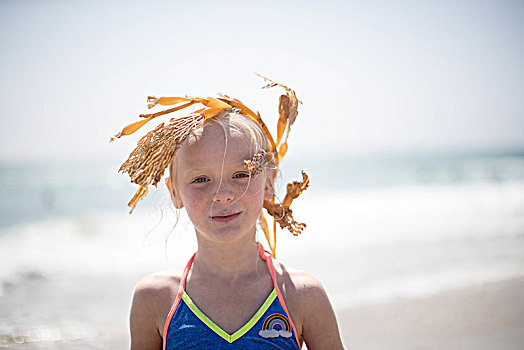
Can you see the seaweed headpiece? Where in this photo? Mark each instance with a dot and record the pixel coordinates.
(155, 151)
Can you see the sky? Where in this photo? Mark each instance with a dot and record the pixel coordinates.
(374, 76)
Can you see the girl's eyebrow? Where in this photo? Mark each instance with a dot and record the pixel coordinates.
(202, 170)
(194, 171)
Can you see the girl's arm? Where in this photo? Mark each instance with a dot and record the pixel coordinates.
(319, 323)
(145, 334)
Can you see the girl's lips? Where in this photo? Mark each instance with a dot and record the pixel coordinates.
(225, 218)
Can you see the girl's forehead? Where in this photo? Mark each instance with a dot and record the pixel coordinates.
(216, 133)
(213, 139)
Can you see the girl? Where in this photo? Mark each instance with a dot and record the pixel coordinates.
(232, 294)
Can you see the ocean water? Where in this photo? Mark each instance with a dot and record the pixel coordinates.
(377, 229)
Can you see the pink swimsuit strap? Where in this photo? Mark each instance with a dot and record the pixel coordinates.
(267, 257)
(181, 289)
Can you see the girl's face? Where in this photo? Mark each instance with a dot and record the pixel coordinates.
(221, 198)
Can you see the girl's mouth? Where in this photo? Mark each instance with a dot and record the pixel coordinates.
(225, 218)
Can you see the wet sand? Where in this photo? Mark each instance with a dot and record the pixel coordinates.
(488, 316)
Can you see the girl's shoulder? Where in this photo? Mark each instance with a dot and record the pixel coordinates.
(160, 282)
(298, 284)
(309, 306)
(159, 288)
(153, 296)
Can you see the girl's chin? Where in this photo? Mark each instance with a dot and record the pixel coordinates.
(228, 234)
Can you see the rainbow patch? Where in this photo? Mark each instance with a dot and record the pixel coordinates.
(275, 325)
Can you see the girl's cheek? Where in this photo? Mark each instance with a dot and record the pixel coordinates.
(255, 187)
(194, 197)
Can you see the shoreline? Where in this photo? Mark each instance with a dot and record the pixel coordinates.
(480, 317)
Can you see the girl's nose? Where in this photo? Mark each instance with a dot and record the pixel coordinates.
(224, 194)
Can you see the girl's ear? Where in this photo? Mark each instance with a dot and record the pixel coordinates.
(175, 197)
(269, 190)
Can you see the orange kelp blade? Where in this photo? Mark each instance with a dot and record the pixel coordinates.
(283, 111)
(287, 107)
(282, 151)
(295, 189)
(216, 103)
(255, 117)
(274, 247)
(139, 195)
(131, 128)
(165, 101)
(211, 112)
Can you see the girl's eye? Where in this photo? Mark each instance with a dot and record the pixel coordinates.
(240, 175)
(200, 180)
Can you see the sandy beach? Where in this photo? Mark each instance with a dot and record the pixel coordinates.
(488, 316)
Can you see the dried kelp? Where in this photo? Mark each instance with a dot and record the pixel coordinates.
(256, 164)
(282, 213)
(155, 151)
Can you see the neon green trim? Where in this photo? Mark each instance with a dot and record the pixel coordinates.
(213, 326)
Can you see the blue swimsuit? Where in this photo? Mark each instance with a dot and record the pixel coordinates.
(271, 327)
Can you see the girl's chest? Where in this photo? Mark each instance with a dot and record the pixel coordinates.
(230, 307)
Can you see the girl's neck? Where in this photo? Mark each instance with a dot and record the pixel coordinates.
(229, 261)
